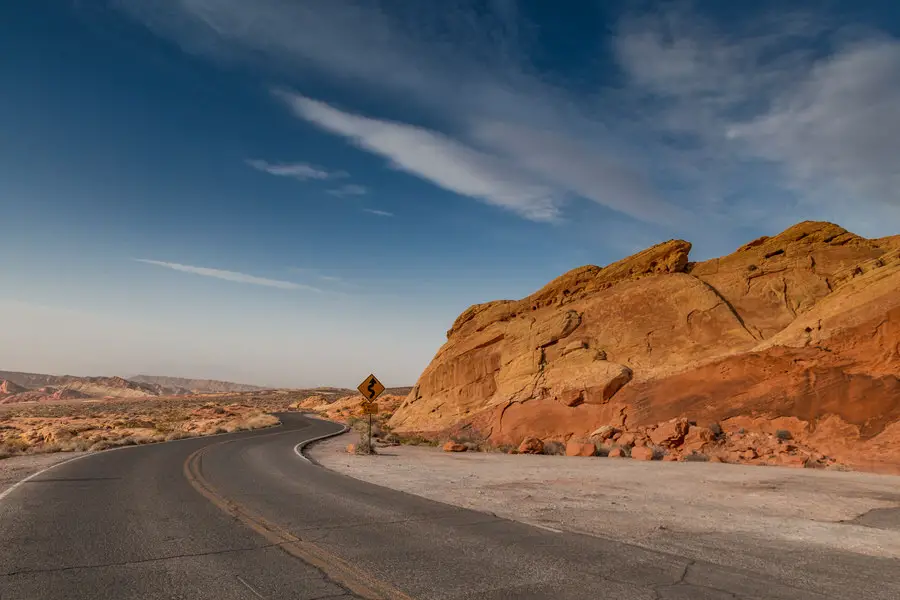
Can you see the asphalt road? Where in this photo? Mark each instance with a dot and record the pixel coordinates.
(242, 516)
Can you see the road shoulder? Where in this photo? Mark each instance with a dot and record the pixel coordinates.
(16, 468)
(696, 509)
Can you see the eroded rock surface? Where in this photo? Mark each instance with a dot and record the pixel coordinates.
(803, 325)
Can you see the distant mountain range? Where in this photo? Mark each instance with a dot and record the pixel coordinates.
(18, 387)
(197, 386)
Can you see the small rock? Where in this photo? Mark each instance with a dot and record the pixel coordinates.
(748, 454)
(574, 347)
(642, 453)
(603, 433)
(531, 445)
(452, 446)
(715, 459)
(698, 438)
(572, 397)
(670, 458)
(616, 436)
(670, 434)
(580, 449)
(626, 440)
(351, 448)
(616, 453)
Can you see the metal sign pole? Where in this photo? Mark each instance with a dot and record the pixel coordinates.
(370, 389)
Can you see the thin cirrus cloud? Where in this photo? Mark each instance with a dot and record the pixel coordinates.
(380, 213)
(299, 171)
(233, 276)
(350, 189)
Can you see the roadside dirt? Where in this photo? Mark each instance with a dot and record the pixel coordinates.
(729, 514)
(17, 468)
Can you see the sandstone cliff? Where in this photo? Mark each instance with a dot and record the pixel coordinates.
(804, 326)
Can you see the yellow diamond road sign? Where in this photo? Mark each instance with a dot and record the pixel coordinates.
(370, 388)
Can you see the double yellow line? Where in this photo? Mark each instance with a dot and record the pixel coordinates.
(335, 568)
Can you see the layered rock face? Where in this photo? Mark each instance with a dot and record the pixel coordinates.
(803, 325)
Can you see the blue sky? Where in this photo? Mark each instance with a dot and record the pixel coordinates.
(299, 193)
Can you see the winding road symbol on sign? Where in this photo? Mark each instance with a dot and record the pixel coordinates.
(371, 388)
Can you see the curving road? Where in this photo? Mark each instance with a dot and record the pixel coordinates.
(242, 516)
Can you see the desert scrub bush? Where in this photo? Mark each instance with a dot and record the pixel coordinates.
(136, 424)
(554, 448)
(471, 442)
(391, 438)
(364, 447)
(75, 445)
(16, 445)
(602, 448)
(696, 457)
(118, 443)
(658, 452)
(626, 450)
(784, 434)
(418, 440)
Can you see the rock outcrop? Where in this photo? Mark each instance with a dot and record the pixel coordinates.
(8, 388)
(803, 325)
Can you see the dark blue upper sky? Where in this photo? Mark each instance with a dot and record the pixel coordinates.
(300, 192)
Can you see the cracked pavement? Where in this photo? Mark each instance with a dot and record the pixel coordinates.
(127, 524)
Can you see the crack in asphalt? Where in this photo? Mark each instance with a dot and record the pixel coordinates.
(328, 530)
(139, 561)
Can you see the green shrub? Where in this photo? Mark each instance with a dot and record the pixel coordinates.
(784, 434)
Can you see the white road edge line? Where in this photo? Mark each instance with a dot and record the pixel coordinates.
(298, 449)
(546, 527)
(250, 587)
(13, 487)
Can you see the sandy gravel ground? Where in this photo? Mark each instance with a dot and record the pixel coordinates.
(17, 468)
(728, 514)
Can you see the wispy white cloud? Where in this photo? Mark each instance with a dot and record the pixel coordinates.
(350, 189)
(380, 213)
(739, 123)
(813, 103)
(434, 157)
(230, 275)
(301, 171)
(838, 128)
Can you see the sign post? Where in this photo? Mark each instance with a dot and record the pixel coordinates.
(370, 388)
